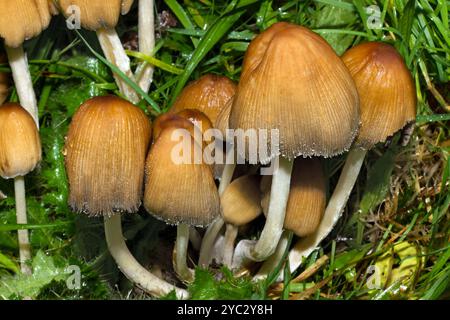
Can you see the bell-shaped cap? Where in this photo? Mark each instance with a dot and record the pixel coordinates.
(386, 91)
(209, 94)
(5, 80)
(241, 201)
(20, 145)
(97, 14)
(21, 20)
(168, 120)
(105, 150)
(307, 196)
(293, 82)
(179, 186)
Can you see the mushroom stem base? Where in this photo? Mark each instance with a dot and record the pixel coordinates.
(231, 233)
(130, 267)
(21, 216)
(181, 246)
(146, 27)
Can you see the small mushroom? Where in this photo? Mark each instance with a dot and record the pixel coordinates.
(388, 102)
(102, 17)
(20, 153)
(179, 189)
(294, 83)
(106, 147)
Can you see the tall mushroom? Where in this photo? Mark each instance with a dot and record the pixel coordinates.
(292, 84)
(20, 152)
(388, 102)
(105, 150)
(21, 20)
(179, 188)
(102, 17)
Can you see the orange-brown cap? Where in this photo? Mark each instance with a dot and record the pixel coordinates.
(293, 81)
(5, 80)
(209, 94)
(241, 201)
(167, 120)
(21, 20)
(20, 145)
(386, 90)
(307, 196)
(97, 14)
(105, 150)
(178, 188)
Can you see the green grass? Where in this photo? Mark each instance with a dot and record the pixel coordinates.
(403, 193)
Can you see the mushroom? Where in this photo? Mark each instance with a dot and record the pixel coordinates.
(146, 27)
(105, 155)
(4, 80)
(294, 84)
(179, 189)
(102, 17)
(209, 94)
(305, 207)
(20, 152)
(241, 204)
(388, 102)
(21, 20)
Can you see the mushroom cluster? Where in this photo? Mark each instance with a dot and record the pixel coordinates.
(224, 155)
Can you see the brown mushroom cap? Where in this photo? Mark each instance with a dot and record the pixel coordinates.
(21, 20)
(209, 94)
(98, 14)
(223, 118)
(105, 150)
(386, 91)
(20, 145)
(294, 82)
(198, 118)
(168, 120)
(307, 196)
(241, 201)
(5, 80)
(179, 192)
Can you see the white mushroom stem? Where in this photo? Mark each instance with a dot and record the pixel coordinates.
(131, 268)
(335, 207)
(270, 264)
(114, 52)
(231, 233)
(181, 246)
(146, 27)
(214, 228)
(273, 228)
(22, 80)
(21, 216)
(195, 238)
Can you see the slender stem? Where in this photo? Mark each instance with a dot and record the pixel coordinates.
(273, 228)
(22, 80)
(144, 73)
(215, 227)
(274, 260)
(131, 268)
(231, 233)
(114, 52)
(181, 246)
(21, 216)
(195, 238)
(334, 209)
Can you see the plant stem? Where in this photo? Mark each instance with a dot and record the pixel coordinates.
(22, 80)
(335, 207)
(214, 228)
(144, 72)
(181, 246)
(231, 233)
(114, 52)
(21, 216)
(131, 268)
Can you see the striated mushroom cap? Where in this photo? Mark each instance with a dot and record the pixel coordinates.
(293, 82)
(20, 145)
(178, 187)
(209, 94)
(105, 150)
(386, 91)
(21, 20)
(307, 197)
(97, 14)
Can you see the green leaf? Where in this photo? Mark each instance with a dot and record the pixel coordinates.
(204, 286)
(8, 264)
(406, 21)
